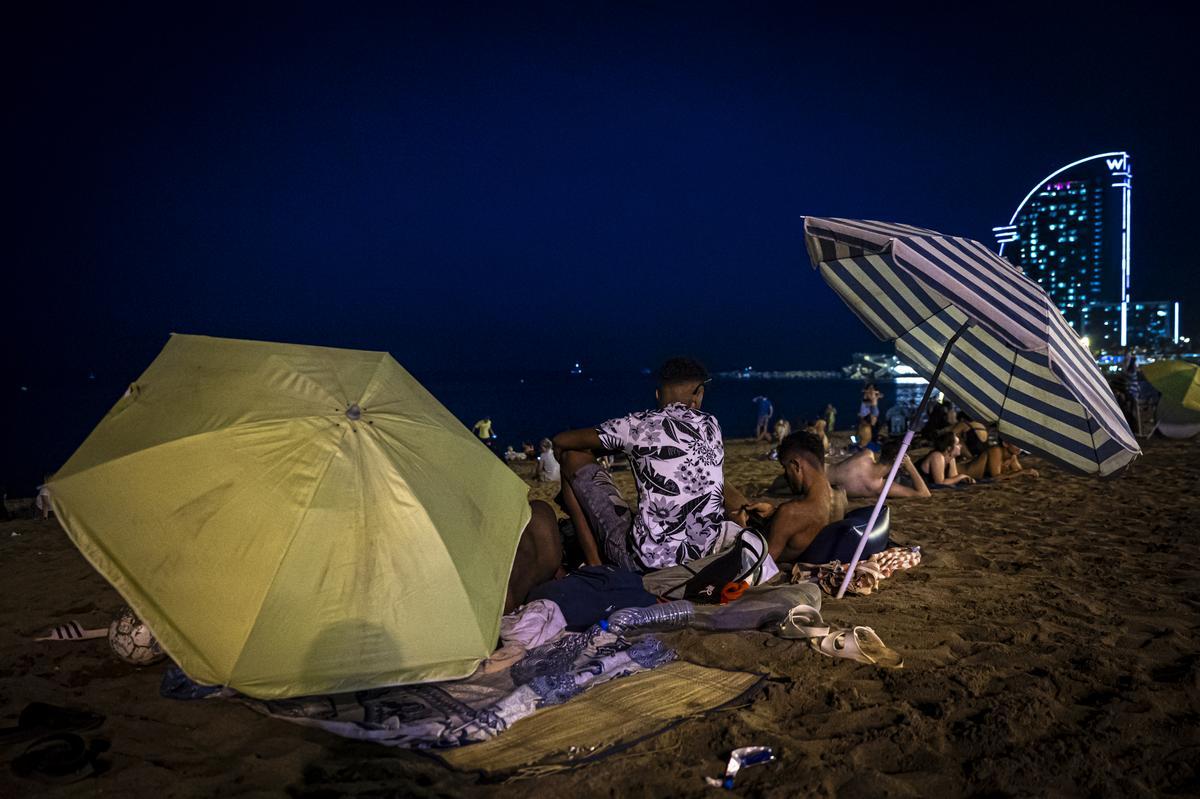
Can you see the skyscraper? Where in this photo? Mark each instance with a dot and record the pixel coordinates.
(1071, 233)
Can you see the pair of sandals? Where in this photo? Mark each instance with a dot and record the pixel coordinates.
(57, 753)
(858, 643)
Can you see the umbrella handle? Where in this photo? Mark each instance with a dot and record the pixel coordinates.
(891, 478)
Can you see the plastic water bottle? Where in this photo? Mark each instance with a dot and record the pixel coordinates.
(667, 616)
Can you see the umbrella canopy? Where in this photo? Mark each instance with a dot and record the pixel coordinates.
(1177, 381)
(1009, 356)
(294, 520)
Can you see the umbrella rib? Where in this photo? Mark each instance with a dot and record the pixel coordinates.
(287, 549)
(185, 438)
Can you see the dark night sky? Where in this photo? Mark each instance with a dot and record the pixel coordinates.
(529, 187)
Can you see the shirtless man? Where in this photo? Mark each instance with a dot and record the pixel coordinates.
(792, 526)
(861, 476)
(539, 553)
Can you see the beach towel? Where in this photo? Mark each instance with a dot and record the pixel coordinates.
(459, 712)
(867, 577)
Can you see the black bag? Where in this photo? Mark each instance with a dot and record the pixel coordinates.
(706, 585)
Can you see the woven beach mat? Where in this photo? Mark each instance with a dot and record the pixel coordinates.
(606, 719)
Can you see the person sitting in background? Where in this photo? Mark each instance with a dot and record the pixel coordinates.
(677, 456)
(865, 433)
(793, 525)
(530, 452)
(897, 419)
(817, 428)
(783, 428)
(548, 469)
(862, 476)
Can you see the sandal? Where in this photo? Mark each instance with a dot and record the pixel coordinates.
(859, 644)
(71, 631)
(803, 621)
(62, 757)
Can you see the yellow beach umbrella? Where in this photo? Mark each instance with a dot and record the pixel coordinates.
(1178, 381)
(292, 520)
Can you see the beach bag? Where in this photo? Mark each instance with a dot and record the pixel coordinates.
(746, 563)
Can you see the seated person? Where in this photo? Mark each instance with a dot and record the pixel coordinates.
(818, 428)
(783, 428)
(547, 470)
(865, 433)
(861, 476)
(677, 457)
(539, 553)
(793, 525)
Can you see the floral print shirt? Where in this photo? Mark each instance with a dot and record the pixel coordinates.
(677, 456)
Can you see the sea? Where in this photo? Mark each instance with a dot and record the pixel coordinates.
(52, 420)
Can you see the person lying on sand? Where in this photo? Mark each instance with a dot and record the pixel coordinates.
(995, 461)
(792, 526)
(677, 457)
(539, 553)
(862, 476)
(941, 464)
(988, 456)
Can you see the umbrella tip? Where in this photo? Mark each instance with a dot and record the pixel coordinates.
(354, 413)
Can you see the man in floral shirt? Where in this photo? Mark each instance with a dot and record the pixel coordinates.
(676, 454)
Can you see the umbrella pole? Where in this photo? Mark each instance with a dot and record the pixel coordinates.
(891, 478)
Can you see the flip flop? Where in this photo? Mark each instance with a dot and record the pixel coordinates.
(803, 621)
(860, 644)
(62, 757)
(71, 631)
(39, 718)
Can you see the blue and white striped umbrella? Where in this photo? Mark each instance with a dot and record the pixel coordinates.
(1017, 363)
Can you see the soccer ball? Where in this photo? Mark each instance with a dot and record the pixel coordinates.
(132, 641)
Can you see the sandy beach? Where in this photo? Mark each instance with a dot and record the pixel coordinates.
(1051, 639)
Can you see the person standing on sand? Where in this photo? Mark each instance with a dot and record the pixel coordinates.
(830, 417)
(677, 455)
(870, 403)
(483, 429)
(765, 411)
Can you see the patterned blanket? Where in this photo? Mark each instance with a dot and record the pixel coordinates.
(448, 714)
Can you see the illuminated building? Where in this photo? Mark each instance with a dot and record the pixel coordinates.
(1071, 234)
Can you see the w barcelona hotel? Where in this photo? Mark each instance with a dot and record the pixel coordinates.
(1071, 233)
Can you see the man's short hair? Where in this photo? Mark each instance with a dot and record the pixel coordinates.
(682, 370)
(803, 444)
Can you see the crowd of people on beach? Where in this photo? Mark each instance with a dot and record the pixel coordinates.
(686, 511)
